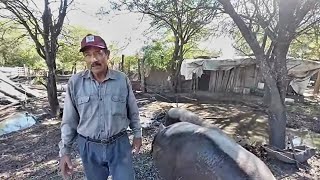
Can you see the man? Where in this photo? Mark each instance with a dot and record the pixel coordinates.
(98, 108)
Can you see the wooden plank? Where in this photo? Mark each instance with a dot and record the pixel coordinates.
(218, 82)
(222, 80)
(238, 82)
(242, 79)
(235, 80)
(216, 85)
(226, 78)
(197, 83)
(255, 76)
(9, 91)
(220, 77)
(210, 82)
(5, 79)
(230, 82)
(9, 105)
(213, 81)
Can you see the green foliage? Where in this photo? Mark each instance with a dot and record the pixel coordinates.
(16, 49)
(131, 64)
(158, 54)
(31, 58)
(307, 46)
(186, 21)
(68, 55)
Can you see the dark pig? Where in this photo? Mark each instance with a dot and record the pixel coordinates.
(186, 151)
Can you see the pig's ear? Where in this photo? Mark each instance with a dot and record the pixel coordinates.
(161, 127)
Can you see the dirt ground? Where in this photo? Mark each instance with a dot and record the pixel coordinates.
(32, 153)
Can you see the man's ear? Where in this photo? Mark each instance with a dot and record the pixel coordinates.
(107, 52)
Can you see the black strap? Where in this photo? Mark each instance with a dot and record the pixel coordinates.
(105, 141)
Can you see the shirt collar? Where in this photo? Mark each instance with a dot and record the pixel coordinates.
(110, 74)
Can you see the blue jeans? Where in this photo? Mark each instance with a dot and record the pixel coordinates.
(101, 160)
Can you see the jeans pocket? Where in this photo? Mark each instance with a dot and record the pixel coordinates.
(82, 144)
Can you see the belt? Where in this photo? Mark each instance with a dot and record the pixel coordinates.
(105, 141)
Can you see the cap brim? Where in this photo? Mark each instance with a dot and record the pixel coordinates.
(85, 47)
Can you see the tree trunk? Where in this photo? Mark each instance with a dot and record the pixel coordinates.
(178, 68)
(317, 85)
(278, 91)
(175, 57)
(177, 77)
(52, 86)
(277, 118)
(274, 99)
(267, 96)
(74, 68)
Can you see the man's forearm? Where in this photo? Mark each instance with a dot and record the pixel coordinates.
(134, 118)
(133, 112)
(136, 128)
(69, 124)
(68, 135)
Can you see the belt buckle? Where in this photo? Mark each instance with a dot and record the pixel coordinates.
(104, 141)
(112, 139)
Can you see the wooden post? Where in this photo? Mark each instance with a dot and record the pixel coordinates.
(122, 63)
(143, 88)
(194, 77)
(317, 85)
(139, 69)
(129, 67)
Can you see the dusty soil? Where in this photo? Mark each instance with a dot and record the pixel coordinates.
(33, 153)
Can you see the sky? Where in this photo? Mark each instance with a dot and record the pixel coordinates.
(126, 26)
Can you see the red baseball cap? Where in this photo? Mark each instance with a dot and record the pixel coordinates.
(92, 40)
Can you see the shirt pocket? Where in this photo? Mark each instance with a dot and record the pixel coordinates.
(118, 105)
(83, 105)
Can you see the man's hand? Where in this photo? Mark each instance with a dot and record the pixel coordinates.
(66, 166)
(136, 145)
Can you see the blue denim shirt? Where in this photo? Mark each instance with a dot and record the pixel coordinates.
(98, 110)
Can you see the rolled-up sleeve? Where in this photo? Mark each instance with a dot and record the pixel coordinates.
(133, 112)
(70, 120)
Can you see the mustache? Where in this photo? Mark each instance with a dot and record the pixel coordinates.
(95, 64)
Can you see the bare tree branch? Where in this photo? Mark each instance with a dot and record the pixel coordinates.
(44, 34)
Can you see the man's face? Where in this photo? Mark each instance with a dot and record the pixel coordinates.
(96, 59)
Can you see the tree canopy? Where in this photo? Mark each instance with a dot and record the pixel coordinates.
(43, 27)
(186, 20)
